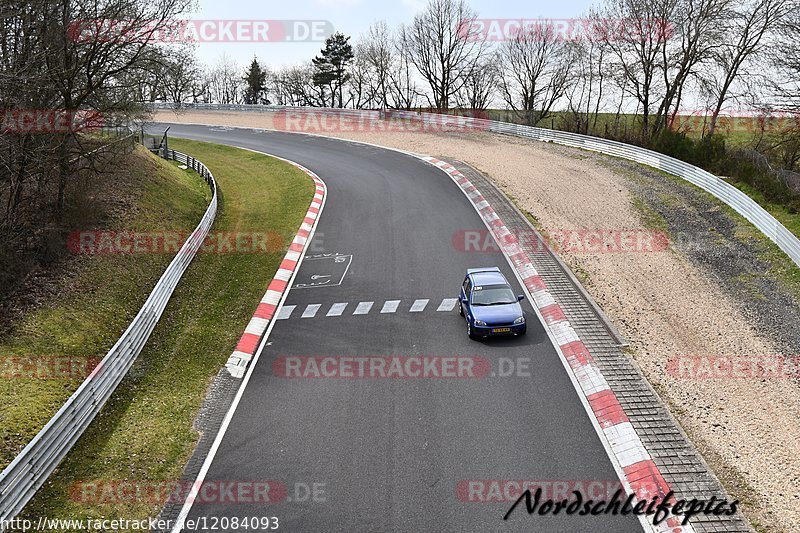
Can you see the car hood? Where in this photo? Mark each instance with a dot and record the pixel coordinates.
(497, 314)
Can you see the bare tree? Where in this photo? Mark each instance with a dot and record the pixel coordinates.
(362, 86)
(750, 24)
(480, 86)
(60, 55)
(691, 39)
(98, 68)
(295, 86)
(403, 89)
(786, 59)
(182, 76)
(225, 81)
(534, 70)
(588, 88)
(441, 45)
(636, 33)
(377, 50)
(151, 81)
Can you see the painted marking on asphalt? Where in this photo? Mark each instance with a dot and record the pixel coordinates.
(448, 304)
(323, 270)
(311, 310)
(418, 306)
(285, 312)
(390, 306)
(337, 309)
(363, 308)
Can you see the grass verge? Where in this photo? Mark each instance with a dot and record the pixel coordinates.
(95, 305)
(784, 215)
(145, 433)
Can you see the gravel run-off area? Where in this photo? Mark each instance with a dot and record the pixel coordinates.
(713, 291)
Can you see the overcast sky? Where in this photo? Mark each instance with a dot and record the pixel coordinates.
(351, 17)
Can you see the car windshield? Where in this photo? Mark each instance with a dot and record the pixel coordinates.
(493, 295)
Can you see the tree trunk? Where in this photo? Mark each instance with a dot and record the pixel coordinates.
(63, 177)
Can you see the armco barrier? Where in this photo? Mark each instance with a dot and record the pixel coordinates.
(737, 200)
(31, 468)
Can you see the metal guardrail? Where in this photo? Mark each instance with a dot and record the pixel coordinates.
(30, 469)
(129, 139)
(20, 480)
(733, 197)
(736, 199)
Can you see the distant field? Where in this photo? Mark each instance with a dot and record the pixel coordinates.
(737, 129)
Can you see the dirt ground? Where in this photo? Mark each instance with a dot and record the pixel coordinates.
(666, 303)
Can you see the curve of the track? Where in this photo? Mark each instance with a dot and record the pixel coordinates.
(391, 452)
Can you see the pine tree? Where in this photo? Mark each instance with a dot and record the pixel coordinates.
(331, 66)
(255, 80)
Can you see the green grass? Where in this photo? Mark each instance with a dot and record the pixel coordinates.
(784, 215)
(651, 218)
(97, 306)
(782, 268)
(145, 434)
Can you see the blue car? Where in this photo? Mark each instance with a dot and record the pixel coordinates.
(489, 304)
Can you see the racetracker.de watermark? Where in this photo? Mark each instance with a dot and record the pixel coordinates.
(105, 242)
(573, 241)
(117, 492)
(310, 121)
(565, 30)
(42, 121)
(46, 367)
(734, 367)
(399, 367)
(200, 31)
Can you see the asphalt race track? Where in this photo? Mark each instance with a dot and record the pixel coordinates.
(389, 454)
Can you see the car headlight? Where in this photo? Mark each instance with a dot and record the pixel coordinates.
(520, 320)
(479, 322)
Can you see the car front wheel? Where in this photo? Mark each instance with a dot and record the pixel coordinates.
(470, 333)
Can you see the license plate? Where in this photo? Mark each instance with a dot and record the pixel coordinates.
(501, 330)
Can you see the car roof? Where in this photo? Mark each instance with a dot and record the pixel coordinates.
(482, 269)
(488, 278)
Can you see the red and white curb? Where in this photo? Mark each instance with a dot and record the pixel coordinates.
(638, 470)
(249, 341)
(259, 328)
